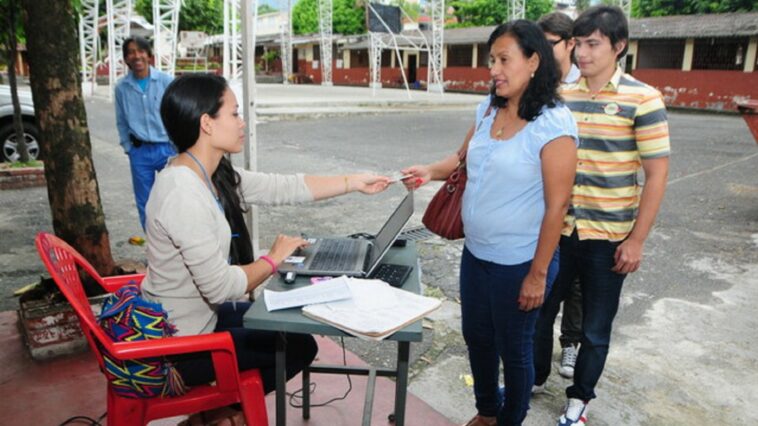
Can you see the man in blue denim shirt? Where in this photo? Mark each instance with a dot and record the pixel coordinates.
(138, 118)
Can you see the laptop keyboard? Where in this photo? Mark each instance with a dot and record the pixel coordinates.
(336, 255)
(394, 275)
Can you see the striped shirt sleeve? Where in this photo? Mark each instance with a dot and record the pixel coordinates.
(651, 130)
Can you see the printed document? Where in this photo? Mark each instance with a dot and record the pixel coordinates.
(324, 291)
(375, 311)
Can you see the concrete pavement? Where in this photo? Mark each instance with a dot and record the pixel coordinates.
(277, 101)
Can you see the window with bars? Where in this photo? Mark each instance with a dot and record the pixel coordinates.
(459, 55)
(424, 59)
(359, 58)
(387, 57)
(720, 53)
(667, 54)
(483, 56)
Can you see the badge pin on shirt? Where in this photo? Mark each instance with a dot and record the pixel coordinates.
(612, 109)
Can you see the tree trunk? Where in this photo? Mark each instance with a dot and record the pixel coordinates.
(18, 125)
(72, 189)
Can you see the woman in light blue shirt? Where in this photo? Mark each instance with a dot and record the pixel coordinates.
(521, 161)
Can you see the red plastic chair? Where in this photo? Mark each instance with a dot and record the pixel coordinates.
(231, 385)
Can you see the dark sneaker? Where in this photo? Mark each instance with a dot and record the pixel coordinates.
(568, 361)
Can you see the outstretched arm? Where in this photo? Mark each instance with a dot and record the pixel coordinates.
(331, 186)
(422, 174)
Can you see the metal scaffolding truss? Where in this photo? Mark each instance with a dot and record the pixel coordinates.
(379, 41)
(517, 9)
(284, 49)
(325, 24)
(436, 82)
(286, 46)
(89, 44)
(119, 15)
(626, 6)
(165, 32)
(232, 40)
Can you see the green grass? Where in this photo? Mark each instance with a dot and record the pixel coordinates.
(20, 164)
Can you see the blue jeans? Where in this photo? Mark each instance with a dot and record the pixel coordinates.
(495, 330)
(145, 162)
(543, 337)
(591, 261)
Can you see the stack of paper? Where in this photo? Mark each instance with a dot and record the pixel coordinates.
(375, 311)
(327, 291)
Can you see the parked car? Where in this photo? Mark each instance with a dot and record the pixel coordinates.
(7, 133)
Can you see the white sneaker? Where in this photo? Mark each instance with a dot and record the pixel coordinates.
(568, 361)
(575, 413)
(539, 389)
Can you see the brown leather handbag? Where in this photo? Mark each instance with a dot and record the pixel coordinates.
(443, 214)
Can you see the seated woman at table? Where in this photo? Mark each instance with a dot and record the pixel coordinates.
(188, 233)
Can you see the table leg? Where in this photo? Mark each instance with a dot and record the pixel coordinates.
(401, 384)
(306, 393)
(281, 379)
(368, 403)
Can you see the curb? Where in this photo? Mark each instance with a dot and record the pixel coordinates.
(23, 177)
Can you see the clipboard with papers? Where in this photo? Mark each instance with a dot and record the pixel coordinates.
(375, 311)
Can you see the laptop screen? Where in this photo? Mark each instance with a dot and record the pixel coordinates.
(391, 230)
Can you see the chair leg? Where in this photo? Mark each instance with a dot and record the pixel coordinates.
(125, 411)
(254, 403)
(254, 410)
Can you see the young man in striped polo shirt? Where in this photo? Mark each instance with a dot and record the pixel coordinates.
(622, 128)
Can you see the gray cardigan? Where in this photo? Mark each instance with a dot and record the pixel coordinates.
(188, 241)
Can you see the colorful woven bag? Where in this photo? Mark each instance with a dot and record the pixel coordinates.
(127, 317)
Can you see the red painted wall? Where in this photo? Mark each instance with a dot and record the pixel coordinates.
(699, 89)
(702, 89)
(467, 79)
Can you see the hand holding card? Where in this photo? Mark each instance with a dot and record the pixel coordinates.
(398, 176)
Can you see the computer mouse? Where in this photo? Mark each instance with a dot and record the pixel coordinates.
(290, 277)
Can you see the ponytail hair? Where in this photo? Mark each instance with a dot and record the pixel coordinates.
(227, 182)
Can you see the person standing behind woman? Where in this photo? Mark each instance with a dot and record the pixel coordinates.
(557, 27)
(623, 129)
(521, 156)
(188, 235)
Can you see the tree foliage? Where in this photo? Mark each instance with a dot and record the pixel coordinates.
(412, 9)
(195, 15)
(5, 6)
(347, 17)
(474, 13)
(536, 8)
(645, 8)
(266, 8)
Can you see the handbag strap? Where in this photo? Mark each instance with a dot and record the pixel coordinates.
(464, 149)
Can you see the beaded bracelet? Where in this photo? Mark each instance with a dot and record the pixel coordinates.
(270, 262)
(347, 186)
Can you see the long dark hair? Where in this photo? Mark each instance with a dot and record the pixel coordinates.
(543, 87)
(186, 99)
